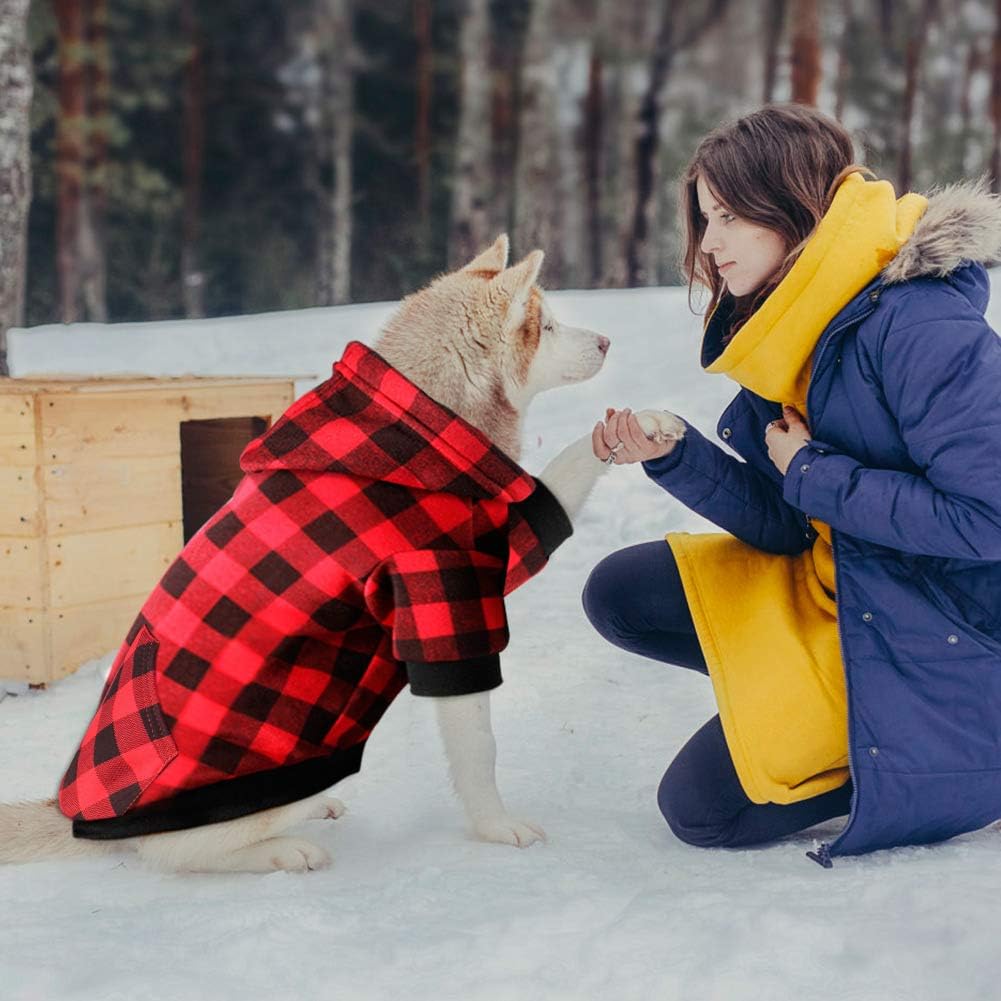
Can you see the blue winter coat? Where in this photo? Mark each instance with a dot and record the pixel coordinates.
(905, 466)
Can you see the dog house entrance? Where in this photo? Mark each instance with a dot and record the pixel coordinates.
(210, 464)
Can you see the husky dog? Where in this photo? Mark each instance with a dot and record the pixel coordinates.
(407, 439)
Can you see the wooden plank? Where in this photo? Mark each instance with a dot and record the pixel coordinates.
(21, 511)
(21, 583)
(84, 632)
(22, 645)
(17, 411)
(127, 384)
(92, 495)
(56, 383)
(17, 430)
(144, 423)
(101, 566)
(18, 449)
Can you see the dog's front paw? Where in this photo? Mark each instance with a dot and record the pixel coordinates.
(506, 830)
(295, 854)
(328, 808)
(661, 425)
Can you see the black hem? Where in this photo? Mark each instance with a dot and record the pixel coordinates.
(228, 799)
(546, 517)
(455, 677)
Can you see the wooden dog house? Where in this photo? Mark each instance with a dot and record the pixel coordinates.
(101, 483)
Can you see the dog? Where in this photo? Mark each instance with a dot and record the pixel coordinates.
(200, 763)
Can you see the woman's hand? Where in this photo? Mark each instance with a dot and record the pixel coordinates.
(621, 439)
(785, 437)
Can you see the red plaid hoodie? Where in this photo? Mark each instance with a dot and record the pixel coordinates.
(370, 544)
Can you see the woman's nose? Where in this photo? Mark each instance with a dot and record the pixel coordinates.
(710, 241)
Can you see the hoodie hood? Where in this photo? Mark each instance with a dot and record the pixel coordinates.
(368, 420)
(962, 223)
(867, 233)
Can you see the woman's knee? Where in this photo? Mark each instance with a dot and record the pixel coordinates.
(603, 596)
(687, 814)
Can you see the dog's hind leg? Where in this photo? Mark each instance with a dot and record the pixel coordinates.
(246, 844)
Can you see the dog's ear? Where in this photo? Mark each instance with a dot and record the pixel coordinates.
(493, 258)
(516, 283)
(517, 280)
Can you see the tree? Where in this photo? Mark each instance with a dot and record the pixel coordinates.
(15, 164)
(70, 154)
(334, 18)
(469, 229)
(193, 142)
(93, 196)
(844, 57)
(917, 36)
(422, 130)
(774, 23)
(996, 100)
(680, 27)
(538, 211)
(805, 52)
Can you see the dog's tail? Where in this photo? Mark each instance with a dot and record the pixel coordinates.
(33, 831)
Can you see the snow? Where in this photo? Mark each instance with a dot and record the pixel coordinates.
(613, 907)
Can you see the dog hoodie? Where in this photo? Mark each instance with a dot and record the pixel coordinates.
(370, 544)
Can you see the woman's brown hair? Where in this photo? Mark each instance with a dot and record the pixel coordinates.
(778, 167)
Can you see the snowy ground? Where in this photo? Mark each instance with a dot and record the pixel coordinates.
(613, 907)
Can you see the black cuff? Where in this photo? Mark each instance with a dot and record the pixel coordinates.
(455, 677)
(228, 798)
(546, 518)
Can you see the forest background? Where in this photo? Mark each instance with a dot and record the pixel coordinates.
(167, 158)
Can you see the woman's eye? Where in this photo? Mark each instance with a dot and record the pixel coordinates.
(727, 217)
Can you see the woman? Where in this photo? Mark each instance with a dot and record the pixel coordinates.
(849, 616)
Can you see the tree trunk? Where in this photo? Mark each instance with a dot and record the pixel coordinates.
(672, 37)
(70, 155)
(971, 67)
(193, 145)
(470, 226)
(16, 83)
(774, 23)
(341, 103)
(844, 58)
(805, 52)
(422, 130)
(917, 36)
(537, 211)
(996, 101)
(336, 43)
(593, 142)
(886, 22)
(97, 93)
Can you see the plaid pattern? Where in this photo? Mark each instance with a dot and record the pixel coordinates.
(127, 740)
(369, 544)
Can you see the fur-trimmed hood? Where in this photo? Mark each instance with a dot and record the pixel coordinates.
(961, 223)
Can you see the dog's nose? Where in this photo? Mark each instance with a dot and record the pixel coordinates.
(603, 344)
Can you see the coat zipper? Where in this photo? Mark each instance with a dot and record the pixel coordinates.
(823, 850)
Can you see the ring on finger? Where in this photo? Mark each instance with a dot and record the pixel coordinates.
(617, 446)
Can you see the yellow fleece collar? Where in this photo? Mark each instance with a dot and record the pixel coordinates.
(859, 235)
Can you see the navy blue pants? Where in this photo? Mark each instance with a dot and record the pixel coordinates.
(635, 599)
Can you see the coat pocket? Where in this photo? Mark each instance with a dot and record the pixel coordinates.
(968, 616)
(127, 744)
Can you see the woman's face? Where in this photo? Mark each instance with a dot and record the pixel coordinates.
(746, 255)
